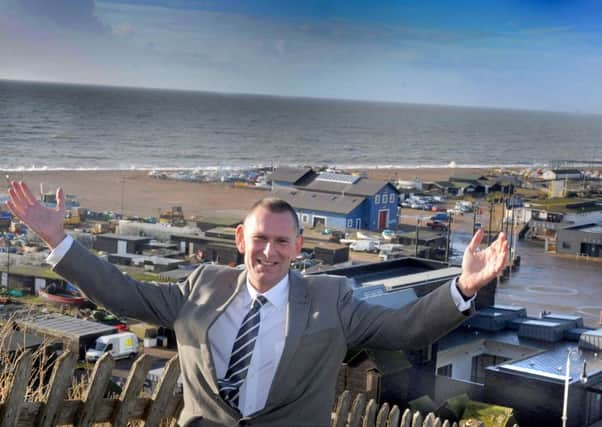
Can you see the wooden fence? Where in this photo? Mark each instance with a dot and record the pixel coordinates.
(360, 413)
(56, 409)
(162, 407)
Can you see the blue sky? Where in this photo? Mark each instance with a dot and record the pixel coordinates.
(513, 54)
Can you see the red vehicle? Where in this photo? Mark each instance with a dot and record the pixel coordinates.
(437, 225)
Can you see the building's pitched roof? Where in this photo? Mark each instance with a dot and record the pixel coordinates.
(290, 174)
(311, 200)
(468, 178)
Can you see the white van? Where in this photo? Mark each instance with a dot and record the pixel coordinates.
(120, 346)
(364, 246)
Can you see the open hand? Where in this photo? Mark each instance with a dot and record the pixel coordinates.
(479, 267)
(45, 222)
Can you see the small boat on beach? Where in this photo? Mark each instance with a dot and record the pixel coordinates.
(67, 295)
(61, 298)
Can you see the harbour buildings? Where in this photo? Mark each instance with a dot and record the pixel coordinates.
(336, 200)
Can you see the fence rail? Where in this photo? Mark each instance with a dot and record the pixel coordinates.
(93, 407)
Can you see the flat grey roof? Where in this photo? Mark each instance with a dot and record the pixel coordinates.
(155, 259)
(362, 187)
(416, 278)
(59, 324)
(124, 237)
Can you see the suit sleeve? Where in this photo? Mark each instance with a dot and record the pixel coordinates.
(410, 327)
(104, 284)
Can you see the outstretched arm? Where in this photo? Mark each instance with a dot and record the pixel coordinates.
(45, 222)
(479, 267)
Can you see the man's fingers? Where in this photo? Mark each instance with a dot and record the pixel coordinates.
(501, 240)
(501, 258)
(60, 200)
(17, 196)
(476, 240)
(27, 193)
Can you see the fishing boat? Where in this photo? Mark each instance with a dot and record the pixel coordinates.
(67, 295)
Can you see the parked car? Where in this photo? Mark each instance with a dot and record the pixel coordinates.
(437, 225)
(388, 234)
(440, 216)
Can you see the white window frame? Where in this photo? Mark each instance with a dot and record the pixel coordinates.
(377, 199)
(385, 198)
(392, 198)
(305, 218)
(358, 223)
(350, 223)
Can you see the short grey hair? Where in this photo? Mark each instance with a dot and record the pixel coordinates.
(276, 205)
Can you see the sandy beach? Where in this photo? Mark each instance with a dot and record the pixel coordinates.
(136, 193)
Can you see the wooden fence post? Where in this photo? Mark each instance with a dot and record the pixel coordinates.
(163, 393)
(132, 387)
(417, 419)
(428, 420)
(96, 390)
(370, 414)
(406, 418)
(9, 414)
(394, 416)
(357, 410)
(382, 416)
(340, 417)
(59, 383)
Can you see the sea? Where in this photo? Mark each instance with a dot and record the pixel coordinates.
(48, 126)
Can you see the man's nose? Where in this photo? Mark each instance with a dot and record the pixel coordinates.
(268, 249)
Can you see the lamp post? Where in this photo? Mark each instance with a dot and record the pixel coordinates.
(567, 378)
(417, 231)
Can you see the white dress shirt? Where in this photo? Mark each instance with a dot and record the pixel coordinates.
(268, 346)
(270, 339)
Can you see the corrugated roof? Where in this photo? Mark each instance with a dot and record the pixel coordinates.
(311, 200)
(59, 324)
(362, 187)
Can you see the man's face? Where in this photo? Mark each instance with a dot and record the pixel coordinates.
(269, 242)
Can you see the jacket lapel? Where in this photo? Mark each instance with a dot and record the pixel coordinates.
(298, 313)
(222, 297)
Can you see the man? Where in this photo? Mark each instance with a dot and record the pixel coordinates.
(263, 346)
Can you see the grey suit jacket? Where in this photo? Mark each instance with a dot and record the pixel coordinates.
(323, 321)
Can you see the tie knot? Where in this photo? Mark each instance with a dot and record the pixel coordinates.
(259, 301)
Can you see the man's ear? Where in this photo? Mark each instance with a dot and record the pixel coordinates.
(240, 238)
(299, 244)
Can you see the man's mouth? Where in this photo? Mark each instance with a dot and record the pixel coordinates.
(267, 263)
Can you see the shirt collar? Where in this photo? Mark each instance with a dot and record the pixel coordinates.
(277, 295)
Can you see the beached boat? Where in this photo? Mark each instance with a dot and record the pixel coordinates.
(67, 294)
(62, 298)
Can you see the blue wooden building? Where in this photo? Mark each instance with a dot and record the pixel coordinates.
(335, 200)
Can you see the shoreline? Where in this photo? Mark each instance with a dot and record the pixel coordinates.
(134, 192)
(358, 166)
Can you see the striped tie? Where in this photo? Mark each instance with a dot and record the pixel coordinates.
(242, 351)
